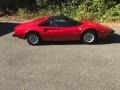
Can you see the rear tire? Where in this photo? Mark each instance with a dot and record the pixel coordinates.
(33, 38)
(89, 37)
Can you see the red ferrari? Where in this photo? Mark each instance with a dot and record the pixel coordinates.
(59, 28)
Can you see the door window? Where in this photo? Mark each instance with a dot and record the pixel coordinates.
(60, 22)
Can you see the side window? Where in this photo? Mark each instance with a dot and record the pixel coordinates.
(61, 23)
(47, 23)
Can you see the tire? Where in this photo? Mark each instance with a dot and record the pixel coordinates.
(89, 37)
(33, 38)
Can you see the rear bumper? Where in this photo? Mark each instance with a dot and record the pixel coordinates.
(19, 35)
(14, 35)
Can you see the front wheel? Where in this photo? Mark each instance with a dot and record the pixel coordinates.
(89, 37)
(33, 39)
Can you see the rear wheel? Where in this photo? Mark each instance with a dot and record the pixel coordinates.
(89, 37)
(33, 38)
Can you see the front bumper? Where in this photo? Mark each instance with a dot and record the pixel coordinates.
(106, 34)
(113, 31)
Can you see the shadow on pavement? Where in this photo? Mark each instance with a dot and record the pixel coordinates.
(115, 38)
(6, 28)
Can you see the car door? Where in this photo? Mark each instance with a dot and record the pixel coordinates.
(53, 34)
(70, 28)
(59, 29)
(72, 33)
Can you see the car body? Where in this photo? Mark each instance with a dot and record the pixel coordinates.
(59, 28)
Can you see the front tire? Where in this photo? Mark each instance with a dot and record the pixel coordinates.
(89, 37)
(33, 38)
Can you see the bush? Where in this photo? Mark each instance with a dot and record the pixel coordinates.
(25, 13)
(100, 10)
(112, 14)
(93, 9)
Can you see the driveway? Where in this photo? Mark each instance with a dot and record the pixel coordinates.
(58, 65)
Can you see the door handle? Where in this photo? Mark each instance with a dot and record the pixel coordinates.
(46, 29)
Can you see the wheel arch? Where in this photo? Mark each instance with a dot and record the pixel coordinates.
(32, 31)
(89, 29)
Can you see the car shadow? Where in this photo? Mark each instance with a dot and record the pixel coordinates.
(113, 39)
(6, 28)
(60, 43)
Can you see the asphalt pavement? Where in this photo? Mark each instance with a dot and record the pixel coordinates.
(58, 65)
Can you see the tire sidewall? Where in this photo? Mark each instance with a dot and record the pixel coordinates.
(36, 34)
(95, 37)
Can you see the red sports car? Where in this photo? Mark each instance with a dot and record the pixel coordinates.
(59, 28)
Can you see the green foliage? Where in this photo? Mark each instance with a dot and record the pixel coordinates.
(50, 11)
(112, 14)
(93, 9)
(100, 10)
(25, 13)
(41, 2)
